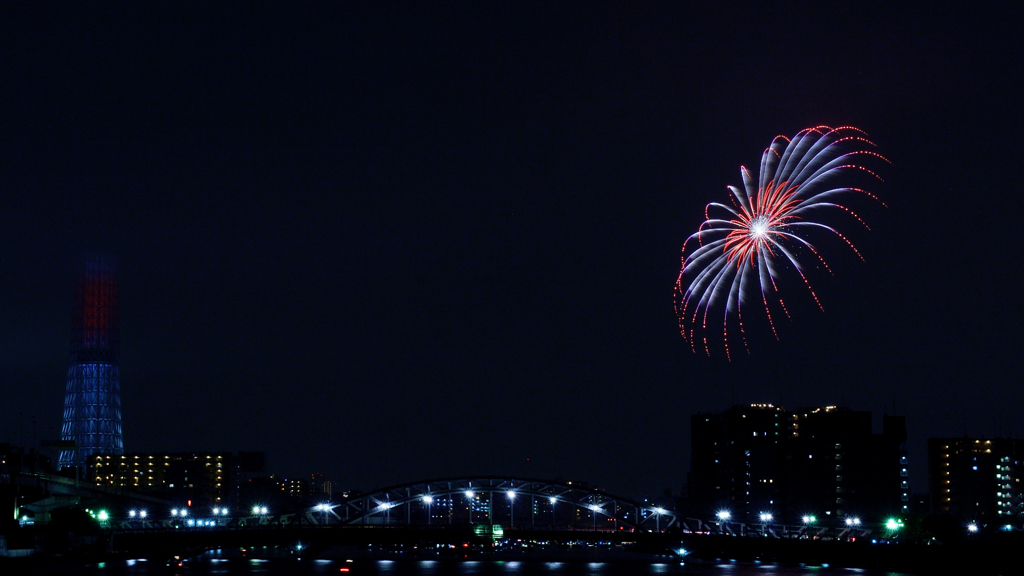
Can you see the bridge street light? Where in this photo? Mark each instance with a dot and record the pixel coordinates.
(723, 517)
(808, 520)
(260, 512)
(179, 512)
(471, 496)
(851, 522)
(323, 508)
(512, 506)
(428, 500)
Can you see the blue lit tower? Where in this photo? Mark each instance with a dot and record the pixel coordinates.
(92, 401)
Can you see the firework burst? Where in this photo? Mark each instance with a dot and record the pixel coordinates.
(743, 248)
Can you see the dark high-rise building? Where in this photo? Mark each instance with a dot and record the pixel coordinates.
(737, 460)
(823, 462)
(837, 467)
(977, 480)
(92, 400)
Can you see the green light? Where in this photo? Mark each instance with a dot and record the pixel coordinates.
(494, 531)
(893, 524)
(103, 516)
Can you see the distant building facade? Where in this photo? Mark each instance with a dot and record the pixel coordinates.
(824, 462)
(203, 478)
(838, 466)
(976, 479)
(299, 489)
(321, 485)
(737, 458)
(309, 491)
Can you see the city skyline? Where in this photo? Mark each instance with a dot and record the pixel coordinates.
(394, 244)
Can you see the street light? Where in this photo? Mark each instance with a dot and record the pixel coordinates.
(594, 508)
(428, 500)
(972, 527)
(260, 511)
(512, 506)
(657, 519)
(766, 517)
(471, 496)
(851, 522)
(323, 508)
(723, 517)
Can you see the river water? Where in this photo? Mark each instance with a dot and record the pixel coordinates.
(210, 564)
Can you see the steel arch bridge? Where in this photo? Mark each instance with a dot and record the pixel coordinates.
(510, 502)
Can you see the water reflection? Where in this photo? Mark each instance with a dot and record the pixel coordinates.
(214, 563)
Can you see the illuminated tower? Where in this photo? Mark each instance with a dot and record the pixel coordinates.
(92, 401)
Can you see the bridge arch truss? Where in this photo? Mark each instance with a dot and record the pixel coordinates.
(509, 502)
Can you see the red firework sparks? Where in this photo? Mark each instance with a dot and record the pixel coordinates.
(765, 230)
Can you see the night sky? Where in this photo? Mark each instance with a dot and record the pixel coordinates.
(393, 244)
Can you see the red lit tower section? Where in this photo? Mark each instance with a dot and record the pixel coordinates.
(92, 401)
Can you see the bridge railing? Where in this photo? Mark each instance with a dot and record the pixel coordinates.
(511, 502)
